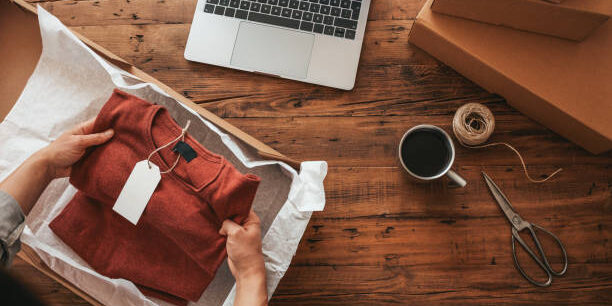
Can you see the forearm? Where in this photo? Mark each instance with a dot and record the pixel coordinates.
(11, 225)
(28, 181)
(251, 289)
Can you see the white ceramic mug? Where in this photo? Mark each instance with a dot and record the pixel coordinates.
(445, 169)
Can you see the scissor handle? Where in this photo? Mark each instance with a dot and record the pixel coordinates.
(552, 271)
(543, 262)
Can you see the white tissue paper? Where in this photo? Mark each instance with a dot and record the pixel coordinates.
(69, 85)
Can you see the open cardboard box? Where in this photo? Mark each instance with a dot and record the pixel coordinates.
(20, 49)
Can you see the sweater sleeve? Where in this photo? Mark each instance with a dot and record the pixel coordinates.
(233, 194)
(12, 222)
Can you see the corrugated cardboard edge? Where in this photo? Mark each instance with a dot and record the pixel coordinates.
(263, 150)
(521, 98)
(28, 255)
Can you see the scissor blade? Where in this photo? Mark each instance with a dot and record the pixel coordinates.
(501, 199)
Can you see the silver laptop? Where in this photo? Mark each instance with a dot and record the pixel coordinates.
(314, 41)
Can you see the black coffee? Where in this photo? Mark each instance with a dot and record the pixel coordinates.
(426, 152)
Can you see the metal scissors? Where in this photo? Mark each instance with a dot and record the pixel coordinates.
(518, 224)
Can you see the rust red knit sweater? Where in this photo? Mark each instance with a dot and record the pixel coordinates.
(174, 251)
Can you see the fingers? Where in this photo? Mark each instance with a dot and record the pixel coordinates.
(84, 135)
(86, 141)
(84, 128)
(229, 227)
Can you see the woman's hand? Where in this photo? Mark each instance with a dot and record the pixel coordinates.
(29, 180)
(245, 259)
(67, 149)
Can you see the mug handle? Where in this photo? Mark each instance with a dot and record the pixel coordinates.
(457, 180)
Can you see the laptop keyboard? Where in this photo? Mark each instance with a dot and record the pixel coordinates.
(329, 17)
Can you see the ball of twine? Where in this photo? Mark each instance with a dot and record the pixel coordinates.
(474, 123)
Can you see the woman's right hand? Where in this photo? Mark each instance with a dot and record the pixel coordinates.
(245, 259)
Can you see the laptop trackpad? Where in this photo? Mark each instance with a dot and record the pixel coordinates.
(272, 50)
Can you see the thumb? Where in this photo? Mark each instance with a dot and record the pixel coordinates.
(229, 227)
(252, 220)
(94, 139)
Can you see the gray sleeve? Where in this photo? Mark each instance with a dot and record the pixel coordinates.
(12, 222)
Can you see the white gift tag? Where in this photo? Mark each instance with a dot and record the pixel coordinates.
(137, 191)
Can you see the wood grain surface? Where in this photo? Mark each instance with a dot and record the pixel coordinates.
(382, 239)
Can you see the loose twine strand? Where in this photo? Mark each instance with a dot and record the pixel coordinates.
(180, 137)
(474, 123)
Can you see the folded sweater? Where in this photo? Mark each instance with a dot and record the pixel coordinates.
(175, 249)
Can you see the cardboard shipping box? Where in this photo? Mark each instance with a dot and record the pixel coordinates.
(564, 85)
(569, 19)
(20, 49)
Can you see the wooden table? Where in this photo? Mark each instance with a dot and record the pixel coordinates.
(381, 238)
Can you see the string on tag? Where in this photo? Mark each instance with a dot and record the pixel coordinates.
(180, 137)
(474, 123)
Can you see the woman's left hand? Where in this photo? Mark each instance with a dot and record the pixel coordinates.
(67, 149)
(29, 180)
